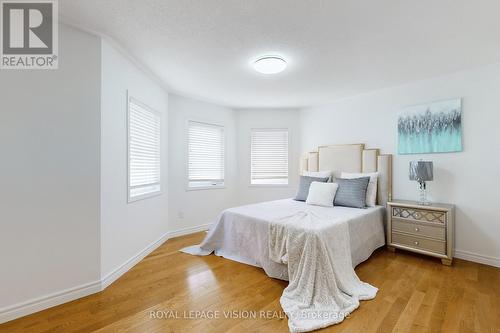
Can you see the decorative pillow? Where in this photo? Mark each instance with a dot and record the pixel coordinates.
(322, 194)
(304, 184)
(318, 174)
(371, 191)
(352, 192)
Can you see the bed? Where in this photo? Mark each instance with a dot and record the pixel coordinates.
(314, 248)
(241, 233)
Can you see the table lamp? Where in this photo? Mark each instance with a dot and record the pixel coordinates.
(421, 171)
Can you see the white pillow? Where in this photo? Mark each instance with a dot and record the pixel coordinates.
(371, 191)
(318, 174)
(322, 194)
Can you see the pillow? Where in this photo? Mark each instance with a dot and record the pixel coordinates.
(304, 184)
(322, 194)
(352, 192)
(318, 174)
(371, 191)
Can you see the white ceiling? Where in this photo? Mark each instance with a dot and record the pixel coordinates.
(334, 49)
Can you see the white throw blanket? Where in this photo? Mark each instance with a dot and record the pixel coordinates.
(323, 286)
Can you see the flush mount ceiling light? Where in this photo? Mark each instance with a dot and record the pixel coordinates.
(269, 65)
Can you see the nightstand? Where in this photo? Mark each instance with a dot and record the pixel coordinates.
(425, 229)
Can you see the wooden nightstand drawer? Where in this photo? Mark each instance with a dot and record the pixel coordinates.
(432, 231)
(435, 246)
(424, 215)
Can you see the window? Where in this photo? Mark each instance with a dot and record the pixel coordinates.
(143, 151)
(269, 157)
(205, 155)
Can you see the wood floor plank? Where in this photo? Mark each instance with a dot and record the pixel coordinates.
(409, 313)
(416, 294)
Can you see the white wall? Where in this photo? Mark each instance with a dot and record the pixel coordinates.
(468, 179)
(127, 228)
(49, 173)
(263, 118)
(188, 209)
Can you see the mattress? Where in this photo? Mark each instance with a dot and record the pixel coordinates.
(241, 233)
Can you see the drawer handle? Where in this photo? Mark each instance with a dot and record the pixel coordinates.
(417, 229)
(416, 242)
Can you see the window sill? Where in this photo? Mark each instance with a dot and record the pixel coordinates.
(203, 188)
(144, 196)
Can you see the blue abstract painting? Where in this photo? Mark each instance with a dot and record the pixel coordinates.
(431, 128)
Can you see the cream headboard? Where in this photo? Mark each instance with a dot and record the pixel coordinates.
(352, 158)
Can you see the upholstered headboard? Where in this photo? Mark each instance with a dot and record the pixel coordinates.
(352, 158)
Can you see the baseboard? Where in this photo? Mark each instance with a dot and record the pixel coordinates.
(38, 304)
(190, 230)
(125, 267)
(479, 258)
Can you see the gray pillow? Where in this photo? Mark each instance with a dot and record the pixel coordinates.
(351, 192)
(305, 183)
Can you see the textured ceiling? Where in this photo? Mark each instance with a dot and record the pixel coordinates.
(335, 49)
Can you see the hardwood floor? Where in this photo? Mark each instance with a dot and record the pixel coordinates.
(417, 294)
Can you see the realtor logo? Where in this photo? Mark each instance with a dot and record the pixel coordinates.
(29, 36)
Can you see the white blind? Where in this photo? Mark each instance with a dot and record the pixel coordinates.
(269, 156)
(143, 150)
(205, 155)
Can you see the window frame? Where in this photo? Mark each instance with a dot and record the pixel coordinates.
(186, 147)
(131, 199)
(288, 152)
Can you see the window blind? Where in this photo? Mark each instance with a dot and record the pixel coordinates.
(205, 155)
(269, 156)
(143, 150)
